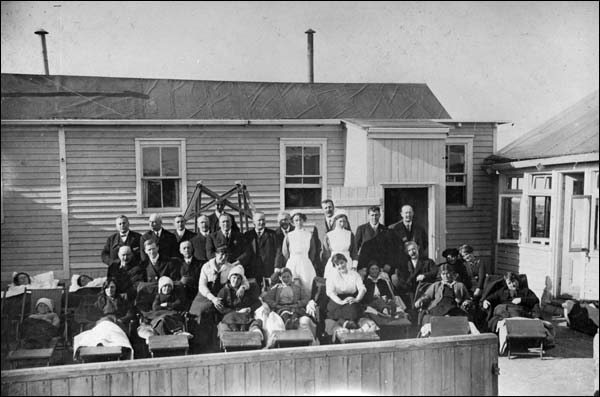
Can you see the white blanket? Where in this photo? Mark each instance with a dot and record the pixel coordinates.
(97, 282)
(106, 333)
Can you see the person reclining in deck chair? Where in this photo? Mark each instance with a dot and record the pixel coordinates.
(446, 297)
(39, 328)
(114, 306)
(166, 309)
(238, 312)
(380, 295)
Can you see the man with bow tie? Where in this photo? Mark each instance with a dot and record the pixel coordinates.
(262, 248)
(123, 237)
(232, 239)
(165, 240)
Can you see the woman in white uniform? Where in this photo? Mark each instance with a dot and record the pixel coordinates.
(339, 241)
(299, 248)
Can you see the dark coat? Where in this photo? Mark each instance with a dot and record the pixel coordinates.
(416, 234)
(187, 236)
(128, 277)
(118, 307)
(280, 260)
(261, 253)
(365, 232)
(164, 267)
(199, 244)
(167, 244)
(110, 252)
(231, 302)
(385, 249)
(426, 267)
(382, 286)
(502, 296)
(213, 223)
(461, 271)
(236, 245)
(172, 300)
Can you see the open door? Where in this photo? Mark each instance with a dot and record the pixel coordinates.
(575, 235)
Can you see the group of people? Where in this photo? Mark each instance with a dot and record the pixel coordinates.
(382, 268)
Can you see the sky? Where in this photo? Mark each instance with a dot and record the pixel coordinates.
(520, 62)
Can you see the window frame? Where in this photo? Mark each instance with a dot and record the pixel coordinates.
(321, 143)
(141, 143)
(467, 141)
(540, 192)
(506, 192)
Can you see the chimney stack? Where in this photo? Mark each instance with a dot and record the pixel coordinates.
(311, 58)
(43, 34)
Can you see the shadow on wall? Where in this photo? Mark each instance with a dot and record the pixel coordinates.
(547, 294)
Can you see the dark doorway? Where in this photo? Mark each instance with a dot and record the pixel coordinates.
(416, 197)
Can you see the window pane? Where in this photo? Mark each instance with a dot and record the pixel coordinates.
(312, 180)
(302, 198)
(509, 226)
(580, 222)
(542, 182)
(151, 160)
(170, 161)
(293, 179)
(456, 195)
(293, 160)
(311, 161)
(540, 216)
(170, 192)
(152, 195)
(514, 183)
(456, 158)
(455, 178)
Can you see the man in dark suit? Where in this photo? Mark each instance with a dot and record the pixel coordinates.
(157, 265)
(199, 240)
(262, 248)
(123, 237)
(181, 233)
(371, 229)
(234, 240)
(285, 226)
(189, 267)
(165, 240)
(408, 230)
(214, 218)
(127, 271)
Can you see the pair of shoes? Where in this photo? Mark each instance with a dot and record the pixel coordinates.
(350, 325)
(186, 334)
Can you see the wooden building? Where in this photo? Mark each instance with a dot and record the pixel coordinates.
(78, 151)
(548, 204)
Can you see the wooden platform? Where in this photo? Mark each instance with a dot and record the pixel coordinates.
(522, 331)
(449, 326)
(161, 345)
(395, 328)
(356, 337)
(89, 354)
(31, 356)
(290, 338)
(240, 340)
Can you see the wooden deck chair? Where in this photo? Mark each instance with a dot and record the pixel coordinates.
(34, 356)
(11, 315)
(525, 331)
(449, 326)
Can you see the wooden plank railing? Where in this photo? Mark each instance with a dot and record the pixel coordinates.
(453, 365)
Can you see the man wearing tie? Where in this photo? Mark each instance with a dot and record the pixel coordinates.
(262, 248)
(165, 240)
(181, 233)
(199, 240)
(127, 272)
(214, 218)
(123, 237)
(285, 226)
(157, 265)
(233, 240)
(408, 230)
(189, 267)
(370, 229)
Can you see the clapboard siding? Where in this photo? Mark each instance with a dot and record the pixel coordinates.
(507, 258)
(31, 231)
(102, 176)
(475, 225)
(377, 368)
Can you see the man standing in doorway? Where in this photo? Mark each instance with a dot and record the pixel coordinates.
(409, 230)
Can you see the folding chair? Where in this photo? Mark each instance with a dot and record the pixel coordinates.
(449, 326)
(21, 354)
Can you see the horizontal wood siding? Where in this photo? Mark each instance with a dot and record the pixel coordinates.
(31, 231)
(101, 170)
(380, 368)
(476, 225)
(507, 258)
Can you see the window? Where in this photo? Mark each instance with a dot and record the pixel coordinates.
(514, 183)
(303, 172)
(539, 204)
(510, 209)
(161, 175)
(459, 176)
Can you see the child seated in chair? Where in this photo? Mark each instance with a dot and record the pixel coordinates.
(446, 297)
(285, 299)
(512, 300)
(166, 308)
(238, 312)
(39, 328)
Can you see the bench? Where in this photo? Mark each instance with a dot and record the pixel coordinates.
(165, 345)
(292, 337)
(89, 354)
(240, 340)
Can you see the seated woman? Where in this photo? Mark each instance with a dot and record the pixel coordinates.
(114, 306)
(379, 295)
(512, 300)
(286, 300)
(345, 290)
(166, 319)
(238, 312)
(39, 328)
(447, 297)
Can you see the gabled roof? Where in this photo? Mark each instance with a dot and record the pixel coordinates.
(573, 131)
(35, 97)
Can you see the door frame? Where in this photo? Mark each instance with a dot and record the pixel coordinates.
(432, 212)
